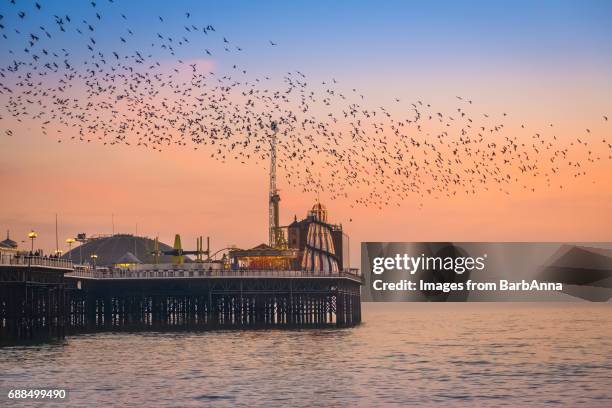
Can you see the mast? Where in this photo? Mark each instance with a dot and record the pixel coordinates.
(274, 198)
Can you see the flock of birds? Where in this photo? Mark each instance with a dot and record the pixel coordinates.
(62, 77)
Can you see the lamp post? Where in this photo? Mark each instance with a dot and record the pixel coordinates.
(32, 235)
(94, 257)
(70, 241)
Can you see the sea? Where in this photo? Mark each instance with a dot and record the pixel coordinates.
(403, 354)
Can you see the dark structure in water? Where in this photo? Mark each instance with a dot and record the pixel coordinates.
(197, 298)
(32, 299)
(43, 299)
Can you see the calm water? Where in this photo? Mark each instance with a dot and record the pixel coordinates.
(403, 354)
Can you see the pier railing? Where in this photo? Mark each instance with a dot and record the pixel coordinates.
(38, 261)
(140, 273)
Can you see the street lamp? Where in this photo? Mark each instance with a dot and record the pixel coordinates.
(32, 235)
(70, 241)
(94, 257)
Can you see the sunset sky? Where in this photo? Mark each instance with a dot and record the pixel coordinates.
(546, 62)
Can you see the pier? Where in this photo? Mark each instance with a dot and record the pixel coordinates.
(42, 299)
(192, 297)
(301, 278)
(32, 298)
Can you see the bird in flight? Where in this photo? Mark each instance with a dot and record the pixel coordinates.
(345, 145)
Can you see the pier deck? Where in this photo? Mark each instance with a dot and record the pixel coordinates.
(195, 298)
(32, 298)
(43, 298)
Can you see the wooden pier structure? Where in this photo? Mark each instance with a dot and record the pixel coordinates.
(63, 299)
(32, 299)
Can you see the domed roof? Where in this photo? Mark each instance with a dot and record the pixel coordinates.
(110, 250)
(319, 212)
(8, 242)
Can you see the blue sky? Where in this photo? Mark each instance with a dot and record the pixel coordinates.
(505, 54)
(327, 35)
